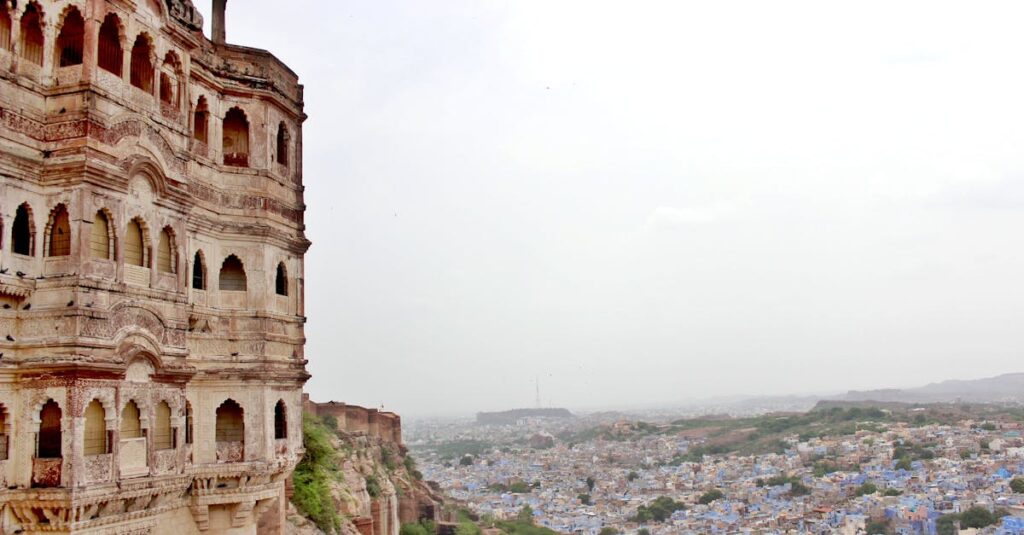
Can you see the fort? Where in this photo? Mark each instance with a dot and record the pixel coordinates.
(375, 432)
(151, 273)
(386, 426)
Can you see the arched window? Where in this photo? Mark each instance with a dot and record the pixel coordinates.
(165, 257)
(142, 64)
(200, 120)
(95, 441)
(163, 438)
(110, 55)
(134, 244)
(32, 34)
(280, 420)
(230, 422)
(101, 241)
(70, 42)
(198, 272)
(5, 27)
(282, 144)
(60, 232)
(22, 231)
(131, 421)
(188, 423)
(281, 281)
(232, 275)
(48, 442)
(169, 79)
(236, 138)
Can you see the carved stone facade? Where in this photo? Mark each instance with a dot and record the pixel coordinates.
(151, 264)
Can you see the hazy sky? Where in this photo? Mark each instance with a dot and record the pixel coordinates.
(645, 202)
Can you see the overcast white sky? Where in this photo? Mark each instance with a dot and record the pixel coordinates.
(646, 202)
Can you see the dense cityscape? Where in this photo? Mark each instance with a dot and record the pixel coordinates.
(845, 470)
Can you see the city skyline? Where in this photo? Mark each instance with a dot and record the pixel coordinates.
(664, 202)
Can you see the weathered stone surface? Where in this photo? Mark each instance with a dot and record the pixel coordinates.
(119, 354)
(370, 436)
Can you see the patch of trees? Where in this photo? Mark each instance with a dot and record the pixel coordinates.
(658, 511)
(711, 496)
(975, 517)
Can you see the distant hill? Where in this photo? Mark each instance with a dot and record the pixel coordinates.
(1002, 388)
(514, 415)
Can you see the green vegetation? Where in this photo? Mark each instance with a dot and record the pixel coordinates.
(798, 489)
(387, 458)
(457, 449)
(659, 510)
(410, 466)
(522, 528)
(584, 499)
(608, 530)
(865, 489)
(878, 527)
(319, 467)
(892, 492)
(516, 487)
(710, 496)
(644, 531)
(467, 528)
(373, 486)
(914, 451)
(823, 468)
(1017, 485)
(424, 527)
(590, 484)
(975, 517)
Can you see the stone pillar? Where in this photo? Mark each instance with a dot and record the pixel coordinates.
(219, 34)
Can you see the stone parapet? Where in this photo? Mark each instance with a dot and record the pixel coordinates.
(386, 426)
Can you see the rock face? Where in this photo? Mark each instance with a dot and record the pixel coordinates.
(151, 273)
(377, 492)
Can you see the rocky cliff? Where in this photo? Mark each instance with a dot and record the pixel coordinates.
(356, 477)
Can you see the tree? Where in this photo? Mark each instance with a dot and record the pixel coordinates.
(467, 528)
(710, 496)
(519, 487)
(525, 515)
(975, 517)
(1017, 485)
(659, 510)
(633, 476)
(876, 527)
(867, 488)
(466, 460)
(584, 499)
(590, 484)
(608, 530)
(798, 489)
(644, 531)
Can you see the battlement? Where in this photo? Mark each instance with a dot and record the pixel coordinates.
(386, 426)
